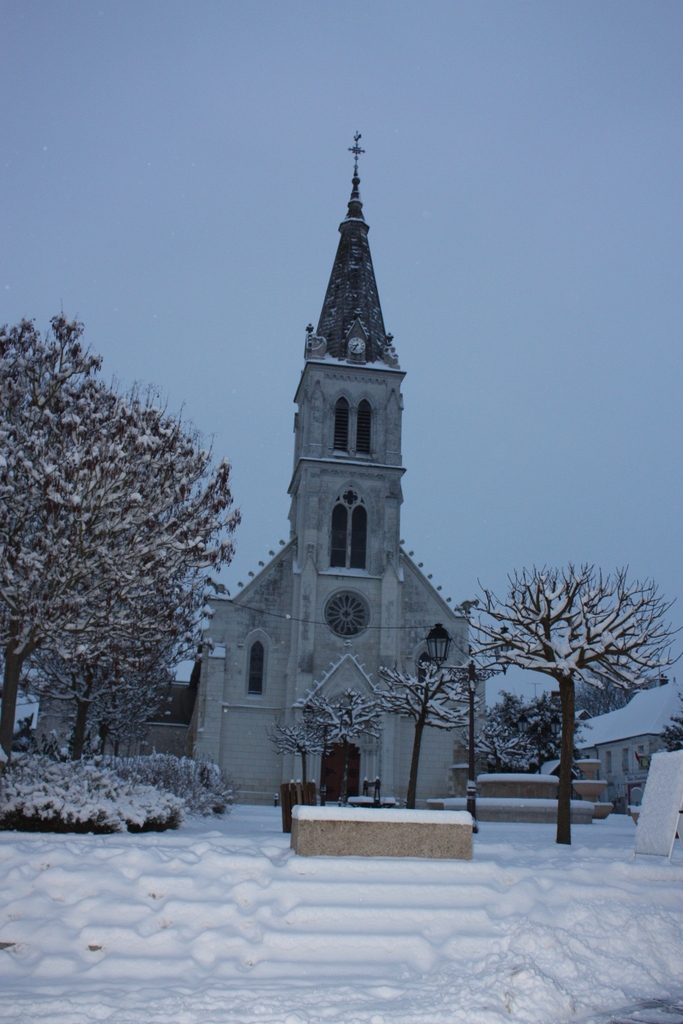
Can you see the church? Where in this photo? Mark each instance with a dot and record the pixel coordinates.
(342, 597)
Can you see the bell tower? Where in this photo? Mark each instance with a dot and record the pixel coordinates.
(346, 486)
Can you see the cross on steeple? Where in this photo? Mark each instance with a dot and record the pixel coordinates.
(356, 150)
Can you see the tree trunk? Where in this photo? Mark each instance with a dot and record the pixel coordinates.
(323, 772)
(303, 767)
(414, 762)
(564, 794)
(344, 795)
(10, 688)
(82, 708)
(104, 732)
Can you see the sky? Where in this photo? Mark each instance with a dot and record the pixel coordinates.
(174, 173)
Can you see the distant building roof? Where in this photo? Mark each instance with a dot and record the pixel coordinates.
(647, 713)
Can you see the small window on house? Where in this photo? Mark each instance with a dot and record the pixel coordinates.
(339, 527)
(363, 428)
(422, 666)
(256, 659)
(341, 425)
(608, 762)
(624, 759)
(359, 537)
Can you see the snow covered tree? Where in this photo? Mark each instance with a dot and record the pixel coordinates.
(519, 736)
(672, 734)
(343, 718)
(303, 737)
(116, 693)
(434, 699)
(501, 740)
(575, 624)
(109, 510)
(542, 732)
(123, 713)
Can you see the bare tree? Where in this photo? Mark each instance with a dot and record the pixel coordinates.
(576, 624)
(434, 699)
(600, 700)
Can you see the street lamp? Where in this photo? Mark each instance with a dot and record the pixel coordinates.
(438, 642)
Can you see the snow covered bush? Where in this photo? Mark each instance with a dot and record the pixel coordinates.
(201, 784)
(41, 795)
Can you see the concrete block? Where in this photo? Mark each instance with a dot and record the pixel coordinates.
(522, 786)
(360, 832)
(518, 809)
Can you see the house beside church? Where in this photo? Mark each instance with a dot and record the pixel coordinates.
(625, 740)
(342, 597)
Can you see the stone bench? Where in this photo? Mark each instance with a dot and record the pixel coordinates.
(359, 832)
(517, 809)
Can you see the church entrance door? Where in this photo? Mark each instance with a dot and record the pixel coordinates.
(334, 771)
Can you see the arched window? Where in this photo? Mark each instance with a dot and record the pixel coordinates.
(256, 661)
(359, 537)
(339, 530)
(422, 666)
(341, 425)
(349, 534)
(363, 427)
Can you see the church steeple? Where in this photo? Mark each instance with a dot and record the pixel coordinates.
(351, 309)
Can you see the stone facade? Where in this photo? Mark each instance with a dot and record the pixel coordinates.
(342, 597)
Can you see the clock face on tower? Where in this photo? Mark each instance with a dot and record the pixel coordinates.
(357, 346)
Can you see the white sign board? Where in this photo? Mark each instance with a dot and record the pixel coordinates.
(660, 813)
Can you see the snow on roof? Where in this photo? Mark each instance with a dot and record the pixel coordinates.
(183, 672)
(647, 713)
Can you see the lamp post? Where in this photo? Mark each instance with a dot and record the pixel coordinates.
(323, 767)
(471, 777)
(438, 642)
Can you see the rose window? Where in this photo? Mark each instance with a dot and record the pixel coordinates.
(346, 614)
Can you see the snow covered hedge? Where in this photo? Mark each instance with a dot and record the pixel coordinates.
(201, 784)
(41, 795)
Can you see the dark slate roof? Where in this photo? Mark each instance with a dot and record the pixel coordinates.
(352, 292)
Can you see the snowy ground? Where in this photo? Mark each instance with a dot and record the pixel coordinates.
(219, 923)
